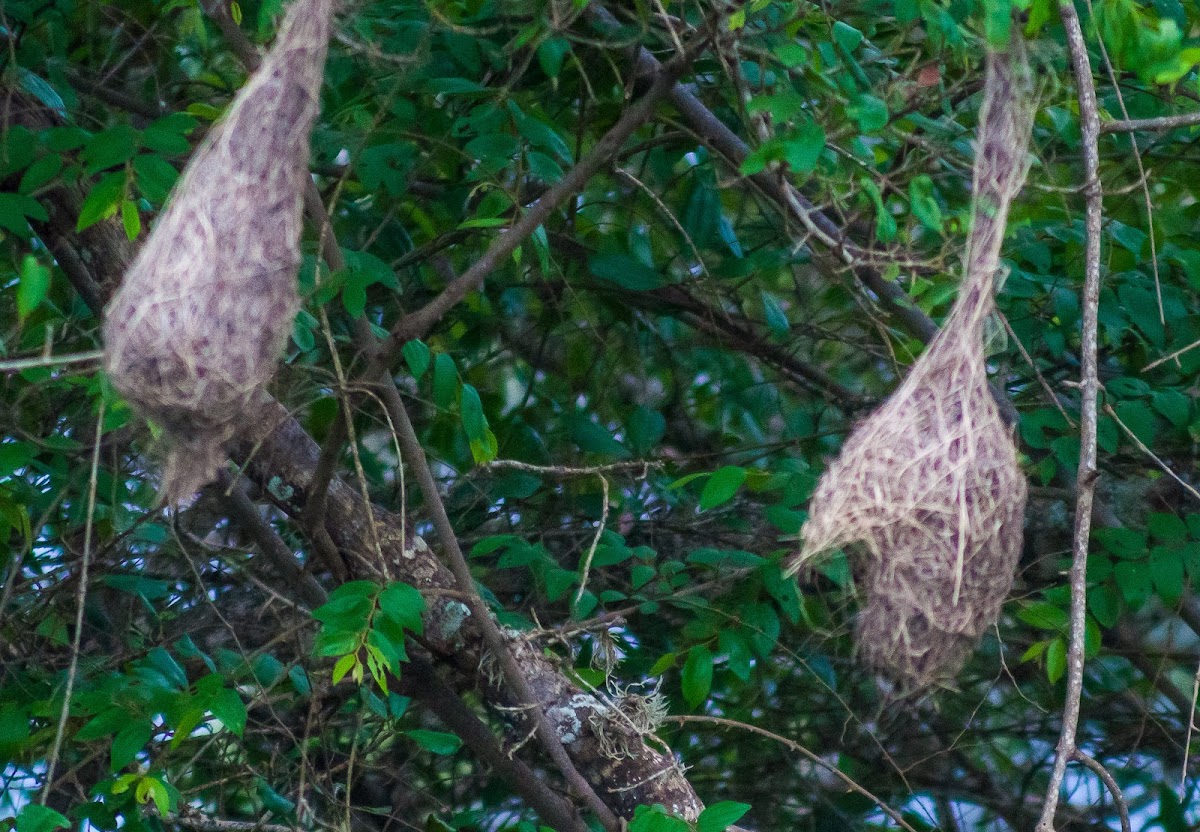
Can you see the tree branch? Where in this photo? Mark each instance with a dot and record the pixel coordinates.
(1089, 119)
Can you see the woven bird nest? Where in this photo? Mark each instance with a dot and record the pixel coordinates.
(202, 316)
(928, 484)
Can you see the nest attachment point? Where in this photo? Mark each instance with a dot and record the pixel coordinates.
(202, 316)
(928, 486)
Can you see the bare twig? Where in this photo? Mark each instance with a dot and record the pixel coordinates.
(1142, 447)
(571, 471)
(591, 552)
(414, 456)
(422, 680)
(850, 782)
(17, 364)
(1173, 355)
(1110, 783)
(1089, 385)
(80, 599)
(416, 324)
(270, 543)
(1130, 125)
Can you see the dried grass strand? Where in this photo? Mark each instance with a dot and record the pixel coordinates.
(928, 485)
(205, 310)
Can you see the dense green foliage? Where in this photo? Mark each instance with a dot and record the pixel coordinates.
(671, 320)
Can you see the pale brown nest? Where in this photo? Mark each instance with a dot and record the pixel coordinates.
(204, 313)
(929, 484)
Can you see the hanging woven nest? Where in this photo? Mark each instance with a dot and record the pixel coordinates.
(200, 321)
(928, 485)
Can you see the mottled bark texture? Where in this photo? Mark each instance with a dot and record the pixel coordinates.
(204, 313)
(605, 745)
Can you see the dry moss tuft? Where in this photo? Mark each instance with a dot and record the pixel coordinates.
(929, 484)
(199, 323)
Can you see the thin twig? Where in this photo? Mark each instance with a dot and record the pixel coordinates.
(80, 599)
(1130, 125)
(850, 782)
(591, 552)
(1142, 447)
(1089, 119)
(1191, 728)
(1175, 354)
(17, 364)
(569, 471)
(1110, 783)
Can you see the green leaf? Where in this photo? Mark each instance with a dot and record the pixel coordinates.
(14, 211)
(129, 742)
(1175, 406)
(1044, 616)
(1056, 660)
(1166, 572)
(998, 22)
(657, 819)
(885, 223)
(594, 438)
(923, 204)
(721, 486)
(228, 707)
(445, 381)
(645, 429)
(102, 201)
(155, 177)
(473, 419)
(34, 285)
(417, 357)
(40, 173)
(343, 666)
(803, 148)
(697, 675)
(108, 148)
(626, 272)
(37, 818)
(550, 54)
(438, 742)
(403, 604)
(777, 319)
(720, 816)
(131, 221)
(869, 113)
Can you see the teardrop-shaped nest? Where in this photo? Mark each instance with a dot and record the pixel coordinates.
(928, 485)
(200, 321)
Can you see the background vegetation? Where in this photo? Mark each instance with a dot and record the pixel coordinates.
(669, 302)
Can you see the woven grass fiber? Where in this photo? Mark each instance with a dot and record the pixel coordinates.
(928, 485)
(200, 321)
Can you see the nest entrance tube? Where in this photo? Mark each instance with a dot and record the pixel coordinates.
(199, 323)
(928, 485)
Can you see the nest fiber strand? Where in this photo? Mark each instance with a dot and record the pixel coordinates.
(204, 313)
(929, 483)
